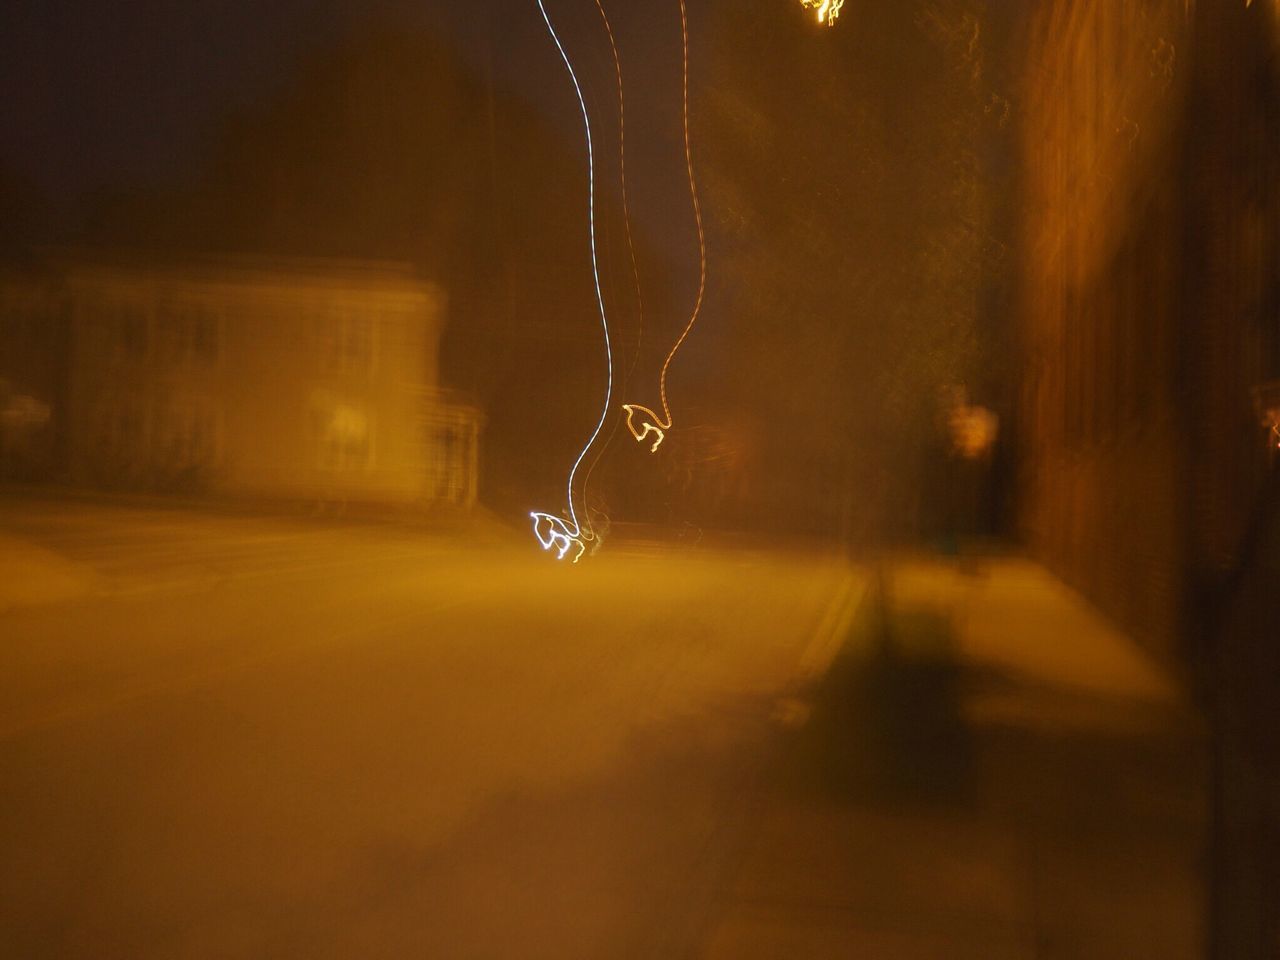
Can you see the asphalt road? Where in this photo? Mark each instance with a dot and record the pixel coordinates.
(241, 737)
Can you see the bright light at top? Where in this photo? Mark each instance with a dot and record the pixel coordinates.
(827, 10)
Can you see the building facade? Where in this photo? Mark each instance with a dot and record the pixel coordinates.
(33, 343)
(1149, 310)
(265, 380)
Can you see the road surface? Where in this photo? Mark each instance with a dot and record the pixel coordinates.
(245, 737)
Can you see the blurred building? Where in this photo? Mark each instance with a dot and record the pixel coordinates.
(313, 380)
(33, 342)
(1151, 290)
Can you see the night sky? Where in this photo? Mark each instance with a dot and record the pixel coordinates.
(95, 93)
(102, 92)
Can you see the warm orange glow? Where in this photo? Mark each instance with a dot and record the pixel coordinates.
(651, 422)
(973, 431)
(648, 424)
(827, 10)
(1271, 418)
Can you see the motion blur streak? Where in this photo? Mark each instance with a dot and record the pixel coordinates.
(622, 167)
(563, 532)
(631, 248)
(650, 422)
(828, 10)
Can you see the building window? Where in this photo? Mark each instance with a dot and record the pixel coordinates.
(129, 331)
(190, 334)
(347, 345)
(126, 429)
(346, 440)
(448, 466)
(117, 439)
(186, 436)
(451, 440)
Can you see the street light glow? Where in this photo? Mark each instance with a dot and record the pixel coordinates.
(827, 10)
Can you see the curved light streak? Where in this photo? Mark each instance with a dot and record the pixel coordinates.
(550, 530)
(554, 533)
(827, 10)
(643, 421)
(631, 247)
(622, 168)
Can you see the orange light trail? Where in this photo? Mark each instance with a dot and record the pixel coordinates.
(622, 167)
(649, 421)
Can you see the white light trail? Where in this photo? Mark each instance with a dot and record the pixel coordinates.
(551, 530)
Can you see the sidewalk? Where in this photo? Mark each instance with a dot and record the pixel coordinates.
(1004, 777)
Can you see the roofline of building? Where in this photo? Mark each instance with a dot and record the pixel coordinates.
(217, 266)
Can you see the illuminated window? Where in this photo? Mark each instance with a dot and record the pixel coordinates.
(345, 440)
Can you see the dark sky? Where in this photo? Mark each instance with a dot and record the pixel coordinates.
(94, 92)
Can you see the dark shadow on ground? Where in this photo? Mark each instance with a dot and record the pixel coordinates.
(887, 723)
(932, 806)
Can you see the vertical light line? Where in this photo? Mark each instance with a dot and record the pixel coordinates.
(697, 215)
(595, 271)
(659, 424)
(631, 247)
(622, 167)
